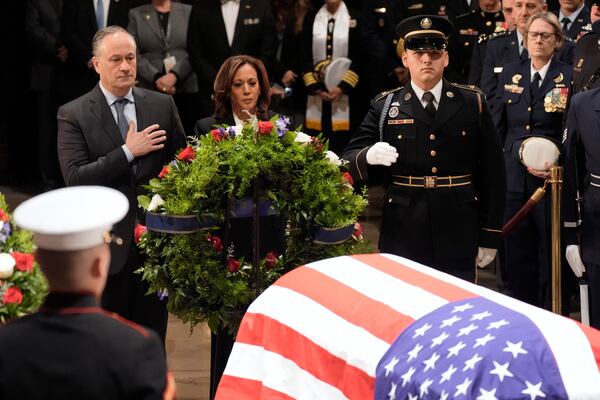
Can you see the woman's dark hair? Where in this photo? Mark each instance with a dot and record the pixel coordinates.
(290, 11)
(224, 81)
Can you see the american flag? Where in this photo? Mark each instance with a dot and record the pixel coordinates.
(381, 326)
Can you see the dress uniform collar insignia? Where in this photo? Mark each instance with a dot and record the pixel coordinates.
(395, 103)
(450, 94)
(580, 63)
(559, 78)
(407, 96)
(516, 78)
(393, 112)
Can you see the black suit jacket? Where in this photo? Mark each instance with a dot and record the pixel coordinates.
(78, 30)
(207, 41)
(90, 153)
(72, 349)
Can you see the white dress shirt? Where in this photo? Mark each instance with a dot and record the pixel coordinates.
(128, 111)
(520, 41)
(230, 10)
(436, 91)
(571, 17)
(542, 71)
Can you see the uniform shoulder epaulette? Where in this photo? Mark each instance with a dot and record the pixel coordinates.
(464, 15)
(497, 35)
(482, 38)
(472, 88)
(384, 94)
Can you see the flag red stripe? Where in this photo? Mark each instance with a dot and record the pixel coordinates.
(231, 387)
(260, 330)
(593, 336)
(413, 277)
(375, 317)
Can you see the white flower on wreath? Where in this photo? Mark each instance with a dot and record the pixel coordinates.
(156, 202)
(333, 158)
(7, 265)
(302, 137)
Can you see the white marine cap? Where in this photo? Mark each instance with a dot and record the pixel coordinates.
(73, 218)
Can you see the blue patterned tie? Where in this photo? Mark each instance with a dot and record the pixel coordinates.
(100, 14)
(121, 120)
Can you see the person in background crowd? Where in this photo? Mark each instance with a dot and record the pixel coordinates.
(81, 19)
(508, 48)
(586, 62)
(532, 103)
(288, 94)
(582, 178)
(435, 146)
(481, 46)
(120, 136)
(42, 25)
(332, 33)
(160, 32)
(220, 29)
(71, 348)
(573, 15)
(468, 28)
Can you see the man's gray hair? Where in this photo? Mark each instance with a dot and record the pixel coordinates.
(104, 32)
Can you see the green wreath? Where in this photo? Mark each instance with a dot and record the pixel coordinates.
(296, 174)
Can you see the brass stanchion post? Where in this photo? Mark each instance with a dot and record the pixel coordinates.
(556, 181)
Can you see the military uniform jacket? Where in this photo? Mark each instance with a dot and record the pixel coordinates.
(520, 116)
(437, 224)
(587, 60)
(72, 349)
(582, 150)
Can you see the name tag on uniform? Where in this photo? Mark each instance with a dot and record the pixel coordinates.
(497, 70)
(251, 21)
(400, 121)
(513, 89)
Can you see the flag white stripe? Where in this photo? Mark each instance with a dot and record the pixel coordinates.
(569, 345)
(403, 297)
(277, 373)
(351, 343)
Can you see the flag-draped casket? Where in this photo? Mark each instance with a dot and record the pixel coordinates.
(381, 326)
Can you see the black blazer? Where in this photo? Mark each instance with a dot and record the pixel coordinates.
(205, 125)
(207, 41)
(90, 153)
(75, 350)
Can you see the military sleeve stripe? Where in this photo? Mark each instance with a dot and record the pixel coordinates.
(492, 230)
(309, 79)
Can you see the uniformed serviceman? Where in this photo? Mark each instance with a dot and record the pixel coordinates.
(586, 63)
(468, 28)
(582, 175)
(508, 48)
(71, 348)
(573, 15)
(437, 151)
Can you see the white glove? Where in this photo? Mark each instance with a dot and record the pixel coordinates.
(485, 256)
(574, 259)
(381, 153)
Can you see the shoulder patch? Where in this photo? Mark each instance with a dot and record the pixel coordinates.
(472, 88)
(497, 35)
(382, 95)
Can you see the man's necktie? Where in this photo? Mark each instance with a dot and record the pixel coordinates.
(100, 14)
(565, 24)
(524, 53)
(535, 84)
(121, 120)
(430, 108)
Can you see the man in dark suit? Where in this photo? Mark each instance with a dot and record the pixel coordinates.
(71, 348)
(42, 25)
(120, 136)
(436, 149)
(507, 48)
(573, 15)
(219, 29)
(80, 21)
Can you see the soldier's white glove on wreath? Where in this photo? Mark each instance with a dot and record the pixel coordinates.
(574, 259)
(485, 256)
(381, 153)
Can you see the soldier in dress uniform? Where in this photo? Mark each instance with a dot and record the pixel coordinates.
(468, 28)
(435, 147)
(71, 348)
(582, 176)
(573, 15)
(586, 62)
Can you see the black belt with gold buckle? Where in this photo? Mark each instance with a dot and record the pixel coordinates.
(431, 182)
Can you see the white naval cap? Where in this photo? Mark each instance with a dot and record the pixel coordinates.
(73, 218)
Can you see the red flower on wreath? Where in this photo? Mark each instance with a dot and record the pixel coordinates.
(358, 231)
(13, 295)
(3, 216)
(138, 232)
(24, 261)
(271, 260)
(216, 135)
(233, 265)
(265, 127)
(187, 154)
(348, 178)
(216, 242)
(164, 172)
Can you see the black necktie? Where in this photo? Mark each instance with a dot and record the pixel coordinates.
(524, 54)
(565, 24)
(121, 120)
(535, 84)
(430, 108)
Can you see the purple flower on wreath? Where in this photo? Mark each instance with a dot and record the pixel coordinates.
(222, 132)
(282, 125)
(162, 294)
(5, 232)
(231, 131)
(173, 163)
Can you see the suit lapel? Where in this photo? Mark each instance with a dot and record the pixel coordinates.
(142, 111)
(220, 30)
(90, 11)
(151, 18)
(101, 110)
(450, 102)
(245, 8)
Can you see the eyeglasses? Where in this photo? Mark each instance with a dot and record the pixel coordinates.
(544, 35)
(433, 54)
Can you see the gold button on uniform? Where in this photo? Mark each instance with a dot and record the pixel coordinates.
(509, 101)
(433, 153)
(399, 136)
(463, 133)
(432, 137)
(527, 127)
(529, 109)
(434, 170)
